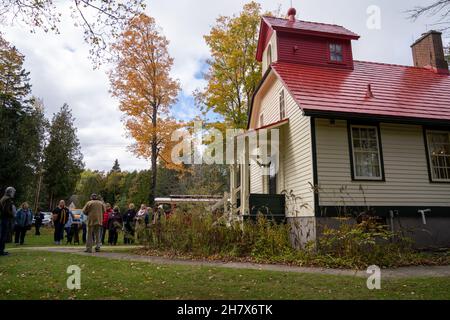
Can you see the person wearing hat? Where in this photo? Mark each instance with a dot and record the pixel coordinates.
(7, 214)
(94, 210)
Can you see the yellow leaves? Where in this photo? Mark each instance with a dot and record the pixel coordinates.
(142, 83)
(234, 72)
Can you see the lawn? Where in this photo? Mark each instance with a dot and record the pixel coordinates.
(38, 275)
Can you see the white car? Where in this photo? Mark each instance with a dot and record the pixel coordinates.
(47, 221)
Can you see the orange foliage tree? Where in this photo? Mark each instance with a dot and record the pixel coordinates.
(140, 79)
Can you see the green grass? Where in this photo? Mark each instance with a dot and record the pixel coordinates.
(39, 275)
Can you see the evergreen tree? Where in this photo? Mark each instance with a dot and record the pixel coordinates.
(116, 166)
(22, 125)
(63, 159)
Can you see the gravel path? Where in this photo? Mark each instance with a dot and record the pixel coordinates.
(406, 272)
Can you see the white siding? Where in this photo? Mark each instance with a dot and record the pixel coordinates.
(296, 174)
(270, 103)
(405, 164)
(256, 179)
(273, 44)
(297, 161)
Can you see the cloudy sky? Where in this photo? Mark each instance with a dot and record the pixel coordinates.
(61, 71)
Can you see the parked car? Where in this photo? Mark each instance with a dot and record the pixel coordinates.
(47, 221)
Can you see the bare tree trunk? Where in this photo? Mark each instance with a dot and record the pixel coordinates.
(51, 201)
(154, 146)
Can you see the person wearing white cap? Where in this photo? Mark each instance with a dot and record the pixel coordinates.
(7, 214)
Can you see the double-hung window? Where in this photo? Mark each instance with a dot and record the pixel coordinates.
(439, 155)
(336, 53)
(366, 153)
(269, 56)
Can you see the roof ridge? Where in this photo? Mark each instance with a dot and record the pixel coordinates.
(391, 64)
(314, 22)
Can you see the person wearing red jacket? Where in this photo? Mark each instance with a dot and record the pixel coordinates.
(106, 216)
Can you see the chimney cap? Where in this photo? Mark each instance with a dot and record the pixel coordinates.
(291, 14)
(426, 34)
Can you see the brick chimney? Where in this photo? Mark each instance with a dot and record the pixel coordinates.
(428, 52)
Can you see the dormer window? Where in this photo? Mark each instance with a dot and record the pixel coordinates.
(269, 55)
(336, 54)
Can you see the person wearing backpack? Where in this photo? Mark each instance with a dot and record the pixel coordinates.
(7, 214)
(23, 221)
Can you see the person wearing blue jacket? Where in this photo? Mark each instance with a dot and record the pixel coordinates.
(22, 223)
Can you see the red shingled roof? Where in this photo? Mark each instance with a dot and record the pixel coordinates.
(398, 91)
(309, 27)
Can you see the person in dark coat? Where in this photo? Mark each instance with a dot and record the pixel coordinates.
(38, 218)
(60, 218)
(7, 214)
(128, 224)
(106, 216)
(114, 226)
(22, 223)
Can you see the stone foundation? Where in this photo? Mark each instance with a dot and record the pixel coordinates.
(435, 234)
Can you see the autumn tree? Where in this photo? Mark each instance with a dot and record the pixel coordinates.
(88, 183)
(141, 81)
(233, 73)
(14, 79)
(101, 20)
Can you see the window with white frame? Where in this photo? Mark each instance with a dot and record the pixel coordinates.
(336, 54)
(269, 55)
(282, 106)
(439, 155)
(365, 144)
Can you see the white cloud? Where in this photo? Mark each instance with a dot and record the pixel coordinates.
(61, 71)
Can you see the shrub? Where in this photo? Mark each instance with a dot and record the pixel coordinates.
(209, 236)
(363, 244)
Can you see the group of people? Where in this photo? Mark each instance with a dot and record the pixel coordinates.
(95, 221)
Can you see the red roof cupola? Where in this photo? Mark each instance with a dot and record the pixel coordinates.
(296, 41)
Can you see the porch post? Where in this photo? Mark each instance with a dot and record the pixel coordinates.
(245, 183)
(233, 187)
